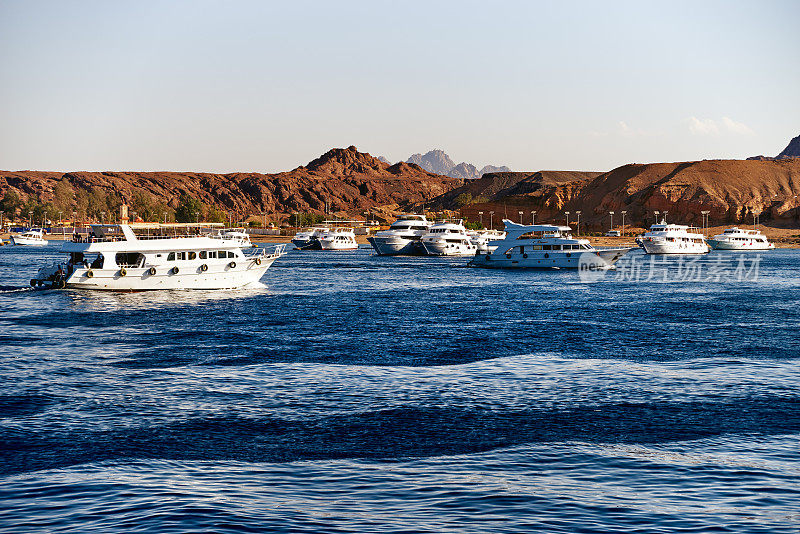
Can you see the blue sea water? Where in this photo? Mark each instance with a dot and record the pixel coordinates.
(357, 393)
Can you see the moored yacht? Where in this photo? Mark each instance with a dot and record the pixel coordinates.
(33, 237)
(481, 238)
(663, 238)
(308, 239)
(738, 239)
(545, 246)
(448, 238)
(116, 259)
(402, 237)
(338, 239)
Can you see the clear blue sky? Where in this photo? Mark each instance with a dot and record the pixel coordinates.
(266, 86)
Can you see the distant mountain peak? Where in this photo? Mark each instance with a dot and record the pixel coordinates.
(439, 162)
(792, 150)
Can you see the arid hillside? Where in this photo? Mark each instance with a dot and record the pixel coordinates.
(731, 190)
(345, 180)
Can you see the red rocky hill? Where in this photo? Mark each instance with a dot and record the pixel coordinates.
(345, 179)
(732, 190)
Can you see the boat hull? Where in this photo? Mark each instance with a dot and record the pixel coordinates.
(307, 244)
(28, 242)
(437, 248)
(653, 247)
(140, 279)
(394, 246)
(604, 258)
(718, 244)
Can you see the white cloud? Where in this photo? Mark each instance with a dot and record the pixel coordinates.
(702, 126)
(736, 127)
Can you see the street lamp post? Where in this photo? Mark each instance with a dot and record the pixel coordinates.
(664, 213)
(491, 219)
(533, 217)
(567, 214)
(612, 219)
(578, 225)
(480, 214)
(623, 222)
(520, 218)
(705, 213)
(655, 216)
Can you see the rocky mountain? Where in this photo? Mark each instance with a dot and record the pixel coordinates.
(434, 161)
(792, 150)
(437, 161)
(732, 190)
(343, 179)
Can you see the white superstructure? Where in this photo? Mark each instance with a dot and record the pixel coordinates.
(402, 237)
(338, 239)
(666, 238)
(738, 239)
(545, 246)
(308, 239)
(481, 238)
(33, 237)
(114, 258)
(448, 238)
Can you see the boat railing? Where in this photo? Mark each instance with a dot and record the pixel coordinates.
(258, 252)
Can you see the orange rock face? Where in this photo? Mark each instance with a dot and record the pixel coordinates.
(732, 190)
(343, 179)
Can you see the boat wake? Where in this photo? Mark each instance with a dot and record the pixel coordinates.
(14, 289)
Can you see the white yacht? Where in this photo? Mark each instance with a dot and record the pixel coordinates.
(545, 246)
(448, 238)
(666, 238)
(481, 238)
(33, 237)
(402, 237)
(338, 239)
(308, 239)
(116, 259)
(738, 239)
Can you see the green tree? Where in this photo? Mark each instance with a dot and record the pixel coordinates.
(215, 215)
(189, 209)
(463, 199)
(63, 196)
(10, 203)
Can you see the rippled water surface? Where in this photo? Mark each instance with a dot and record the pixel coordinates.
(357, 393)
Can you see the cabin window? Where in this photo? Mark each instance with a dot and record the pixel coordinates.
(556, 247)
(585, 247)
(222, 254)
(537, 247)
(171, 256)
(181, 256)
(418, 228)
(212, 254)
(129, 259)
(192, 255)
(98, 262)
(547, 247)
(203, 254)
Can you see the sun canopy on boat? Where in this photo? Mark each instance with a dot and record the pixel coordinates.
(514, 230)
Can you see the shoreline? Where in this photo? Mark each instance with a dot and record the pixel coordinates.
(782, 238)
